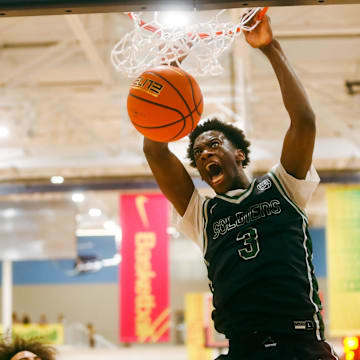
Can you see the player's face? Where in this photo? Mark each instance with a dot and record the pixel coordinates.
(218, 161)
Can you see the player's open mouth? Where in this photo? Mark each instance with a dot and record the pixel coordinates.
(215, 173)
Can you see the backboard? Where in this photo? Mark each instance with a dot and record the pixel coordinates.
(53, 7)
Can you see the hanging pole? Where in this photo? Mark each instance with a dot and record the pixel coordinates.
(7, 297)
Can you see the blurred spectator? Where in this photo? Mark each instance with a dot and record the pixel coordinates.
(61, 318)
(26, 319)
(23, 349)
(43, 320)
(91, 334)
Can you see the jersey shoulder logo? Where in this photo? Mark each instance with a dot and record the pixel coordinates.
(264, 185)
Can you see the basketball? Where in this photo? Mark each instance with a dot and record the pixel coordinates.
(165, 103)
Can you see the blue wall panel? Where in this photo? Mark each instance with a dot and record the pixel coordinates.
(57, 272)
(319, 251)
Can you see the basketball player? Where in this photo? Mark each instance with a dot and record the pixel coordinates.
(254, 235)
(21, 349)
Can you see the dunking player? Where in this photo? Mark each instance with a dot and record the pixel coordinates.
(254, 235)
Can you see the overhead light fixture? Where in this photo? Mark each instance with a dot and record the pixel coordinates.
(78, 197)
(4, 132)
(173, 19)
(57, 179)
(9, 213)
(95, 212)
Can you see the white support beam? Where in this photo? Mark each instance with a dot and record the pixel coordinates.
(241, 77)
(7, 296)
(89, 48)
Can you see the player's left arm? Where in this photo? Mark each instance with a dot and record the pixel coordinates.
(298, 146)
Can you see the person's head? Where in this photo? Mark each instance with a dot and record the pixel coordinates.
(26, 319)
(219, 151)
(21, 349)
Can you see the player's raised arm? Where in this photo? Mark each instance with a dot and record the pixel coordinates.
(297, 151)
(170, 174)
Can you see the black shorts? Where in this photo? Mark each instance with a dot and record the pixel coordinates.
(278, 347)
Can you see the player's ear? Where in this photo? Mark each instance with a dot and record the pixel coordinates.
(239, 156)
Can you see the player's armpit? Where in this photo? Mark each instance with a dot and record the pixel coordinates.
(170, 174)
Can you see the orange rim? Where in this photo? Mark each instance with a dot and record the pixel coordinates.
(154, 29)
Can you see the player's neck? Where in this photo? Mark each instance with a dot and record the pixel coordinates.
(245, 183)
(242, 181)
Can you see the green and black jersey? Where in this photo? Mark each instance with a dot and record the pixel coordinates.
(258, 253)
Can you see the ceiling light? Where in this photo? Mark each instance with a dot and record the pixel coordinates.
(78, 197)
(174, 18)
(4, 131)
(57, 179)
(9, 213)
(94, 212)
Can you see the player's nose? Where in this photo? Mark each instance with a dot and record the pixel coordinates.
(206, 152)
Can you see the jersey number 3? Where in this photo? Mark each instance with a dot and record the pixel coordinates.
(249, 244)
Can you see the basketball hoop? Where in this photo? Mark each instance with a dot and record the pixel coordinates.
(151, 44)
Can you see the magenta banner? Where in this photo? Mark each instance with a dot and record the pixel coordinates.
(144, 272)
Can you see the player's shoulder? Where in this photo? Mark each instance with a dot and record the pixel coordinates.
(273, 179)
(264, 182)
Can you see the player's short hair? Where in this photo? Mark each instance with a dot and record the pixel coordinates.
(235, 135)
(8, 349)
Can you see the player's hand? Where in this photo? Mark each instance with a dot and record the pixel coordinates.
(260, 36)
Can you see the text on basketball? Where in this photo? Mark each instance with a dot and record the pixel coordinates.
(150, 86)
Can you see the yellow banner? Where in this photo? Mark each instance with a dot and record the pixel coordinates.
(195, 329)
(47, 334)
(343, 259)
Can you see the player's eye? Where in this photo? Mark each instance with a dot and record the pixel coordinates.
(214, 144)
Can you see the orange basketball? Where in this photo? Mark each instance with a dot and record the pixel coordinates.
(165, 103)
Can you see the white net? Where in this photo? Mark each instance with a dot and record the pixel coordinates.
(150, 44)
